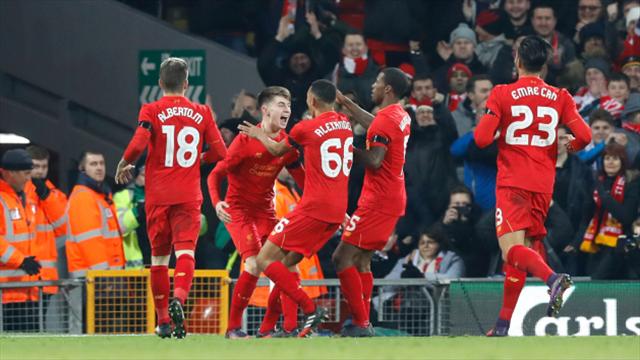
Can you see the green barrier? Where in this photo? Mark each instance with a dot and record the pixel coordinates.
(591, 308)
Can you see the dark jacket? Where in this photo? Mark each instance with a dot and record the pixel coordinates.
(571, 189)
(429, 174)
(393, 21)
(273, 67)
(360, 85)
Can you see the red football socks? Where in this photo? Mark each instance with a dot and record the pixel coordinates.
(160, 287)
(529, 261)
(182, 277)
(274, 309)
(366, 279)
(290, 309)
(351, 288)
(514, 281)
(280, 275)
(240, 298)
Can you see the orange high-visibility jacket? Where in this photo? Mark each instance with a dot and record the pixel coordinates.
(17, 240)
(309, 268)
(93, 234)
(51, 226)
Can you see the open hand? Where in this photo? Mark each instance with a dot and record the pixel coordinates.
(124, 172)
(222, 214)
(250, 130)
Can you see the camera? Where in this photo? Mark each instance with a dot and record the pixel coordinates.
(464, 210)
(628, 244)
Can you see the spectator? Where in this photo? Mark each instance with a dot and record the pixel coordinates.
(589, 11)
(503, 70)
(631, 125)
(18, 261)
(490, 36)
(390, 41)
(94, 241)
(308, 58)
(460, 49)
(433, 259)
(516, 22)
(423, 92)
(356, 72)
(602, 126)
(429, 172)
(610, 214)
(480, 169)
(619, 88)
(472, 108)
(459, 223)
(595, 75)
(631, 68)
(592, 41)
(571, 188)
(457, 77)
(245, 106)
(544, 21)
(132, 217)
(229, 130)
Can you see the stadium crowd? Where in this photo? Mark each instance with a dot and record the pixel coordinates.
(454, 61)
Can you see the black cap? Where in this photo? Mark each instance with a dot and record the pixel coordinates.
(16, 159)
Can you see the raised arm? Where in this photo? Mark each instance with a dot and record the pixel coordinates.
(357, 113)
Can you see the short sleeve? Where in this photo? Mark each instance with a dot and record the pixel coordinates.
(298, 134)
(146, 114)
(378, 133)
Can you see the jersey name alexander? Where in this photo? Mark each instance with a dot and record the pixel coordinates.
(332, 126)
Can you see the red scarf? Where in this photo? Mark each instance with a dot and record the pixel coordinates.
(613, 106)
(607, 232)
(632, 127)
(415, 103)
(355, 66)
(455, 100)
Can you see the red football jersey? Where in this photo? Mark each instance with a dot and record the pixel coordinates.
(383, 189)
(179, 129)
(527, 114)
(251, 173)
(327, 145)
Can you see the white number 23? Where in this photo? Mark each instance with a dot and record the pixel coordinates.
(536, 140)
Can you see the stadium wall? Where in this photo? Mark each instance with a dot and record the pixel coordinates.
(69, 73)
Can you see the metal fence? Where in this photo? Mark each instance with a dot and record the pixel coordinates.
(121, 302)
(402, 307)
(56, 307)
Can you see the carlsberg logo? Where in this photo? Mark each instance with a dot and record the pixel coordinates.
(533, 296)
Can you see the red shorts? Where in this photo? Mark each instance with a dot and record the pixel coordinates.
(369, 229)
(249, 232)
(519, 209)
(176, 224)
(301, 233)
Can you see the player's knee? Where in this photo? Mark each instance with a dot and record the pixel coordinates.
(160, 260)
(339, 260)
(184, 252)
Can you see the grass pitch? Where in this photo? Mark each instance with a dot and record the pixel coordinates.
(216, 347)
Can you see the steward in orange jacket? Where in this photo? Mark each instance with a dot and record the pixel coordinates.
(17, 228)
(51, 224)
(94, 241)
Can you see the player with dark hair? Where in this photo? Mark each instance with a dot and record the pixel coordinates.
(327, 143)
(248, 209)
(383, 197)
(173, 130)
(524, 117)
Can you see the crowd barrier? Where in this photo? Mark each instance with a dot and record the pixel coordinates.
(120, 302)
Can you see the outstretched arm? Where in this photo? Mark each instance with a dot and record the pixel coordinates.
(485, 132)
(274, 147)
(136, 147)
